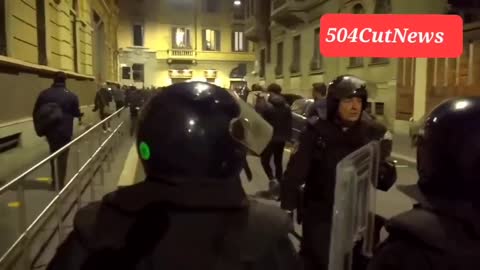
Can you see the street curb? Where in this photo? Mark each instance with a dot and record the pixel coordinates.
(404, 157)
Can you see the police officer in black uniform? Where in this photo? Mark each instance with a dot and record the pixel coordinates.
(442, 231)
(322, 145)
(191, 211)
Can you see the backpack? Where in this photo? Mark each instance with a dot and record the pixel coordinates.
(47, 117)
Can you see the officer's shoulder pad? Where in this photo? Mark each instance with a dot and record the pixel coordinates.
(264, 227)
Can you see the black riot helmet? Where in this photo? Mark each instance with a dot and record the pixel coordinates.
(198, 131)
(342, 87)
(448, 151)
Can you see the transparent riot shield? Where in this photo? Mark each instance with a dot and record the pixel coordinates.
(354, 205)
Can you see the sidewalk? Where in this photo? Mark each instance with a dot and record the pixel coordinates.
(402, 148)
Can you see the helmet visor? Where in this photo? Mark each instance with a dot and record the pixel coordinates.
(249, 128)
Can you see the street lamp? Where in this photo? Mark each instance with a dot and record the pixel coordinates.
(237, 2)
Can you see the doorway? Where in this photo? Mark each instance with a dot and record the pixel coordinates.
(99, 67)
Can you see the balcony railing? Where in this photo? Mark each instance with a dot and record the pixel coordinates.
(183, 53)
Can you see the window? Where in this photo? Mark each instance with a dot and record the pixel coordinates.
(41, 33)
(180, 37)
(317, 60)
(212, 5)
(369, 108)
(137, 35)
(379, 108)
(295, 67)
(3, 33)
(357, 61)
(262, 64)
(182, 5)
(239, 42)
(380, 61)
(73, 23)
(126, 73)
(211, 40)
(279, 67)
(316, 43)
(138, 72)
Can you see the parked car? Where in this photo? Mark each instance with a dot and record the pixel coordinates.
(300, 107)
(291, 98)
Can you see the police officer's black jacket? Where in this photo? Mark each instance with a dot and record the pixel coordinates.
(426, 238)
(153, 225)
(321, 146)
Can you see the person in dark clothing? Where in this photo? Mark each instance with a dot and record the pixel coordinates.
(318, 108)
(276, 112)
(256, 87)
(118, 97)
(103, 100)
(442, 231)
(59, 134)
(243, 92)
(135, 101)
(191, 211)
(322, 145)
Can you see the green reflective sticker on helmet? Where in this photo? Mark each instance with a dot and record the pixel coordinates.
(144, 151)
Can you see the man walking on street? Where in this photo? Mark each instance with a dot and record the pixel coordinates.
(119, 97)
(103, 104)
(53, 114)
(135, 101)
(276, 112)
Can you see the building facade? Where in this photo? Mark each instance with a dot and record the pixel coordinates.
(38, 38)
(168, 41)
(286, 39)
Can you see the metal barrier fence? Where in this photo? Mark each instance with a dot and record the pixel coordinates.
(42, 213)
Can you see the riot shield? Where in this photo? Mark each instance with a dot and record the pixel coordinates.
(354, 205)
